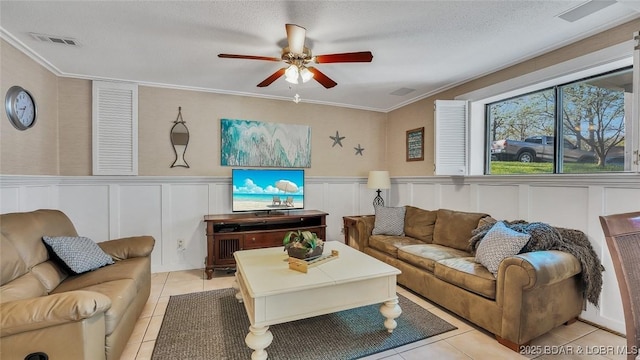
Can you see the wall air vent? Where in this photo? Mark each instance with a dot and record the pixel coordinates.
(55, 39)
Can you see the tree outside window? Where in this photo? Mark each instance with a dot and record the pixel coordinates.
(588, 115)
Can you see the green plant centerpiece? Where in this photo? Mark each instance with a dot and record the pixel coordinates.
(302, 244)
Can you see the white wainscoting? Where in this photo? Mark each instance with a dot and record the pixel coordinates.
(566, 201)
(172, 208)
(168, 208)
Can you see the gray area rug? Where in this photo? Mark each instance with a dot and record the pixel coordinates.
(213, 325)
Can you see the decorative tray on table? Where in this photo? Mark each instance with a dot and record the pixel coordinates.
(304, 265)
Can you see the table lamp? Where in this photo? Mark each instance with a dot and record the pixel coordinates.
(378, 180)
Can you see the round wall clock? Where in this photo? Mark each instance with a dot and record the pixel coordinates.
(21, 108)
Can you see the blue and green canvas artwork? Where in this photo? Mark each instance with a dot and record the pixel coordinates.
(257, 143)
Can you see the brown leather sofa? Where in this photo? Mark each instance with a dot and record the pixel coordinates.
(532, 293)
(45, 310)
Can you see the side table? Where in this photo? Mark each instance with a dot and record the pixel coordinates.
(351, 231)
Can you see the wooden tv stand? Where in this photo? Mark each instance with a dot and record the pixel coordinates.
(227, 233)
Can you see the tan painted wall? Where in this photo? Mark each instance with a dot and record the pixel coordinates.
(421, 113)
(75, 126)
(33, 151)
(64, 118)
(202, 112)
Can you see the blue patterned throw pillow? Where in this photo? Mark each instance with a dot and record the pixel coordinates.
(389, 221)
(499, 243)
(79, 254)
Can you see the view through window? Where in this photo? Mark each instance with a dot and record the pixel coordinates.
(588, 115)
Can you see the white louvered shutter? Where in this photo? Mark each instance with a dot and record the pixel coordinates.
(115, 128)
(451, 137)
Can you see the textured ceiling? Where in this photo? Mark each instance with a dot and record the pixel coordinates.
(423, 45)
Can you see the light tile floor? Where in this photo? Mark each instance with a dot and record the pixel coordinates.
(467, 342)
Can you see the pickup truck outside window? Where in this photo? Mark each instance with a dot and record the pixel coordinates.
(590, 122)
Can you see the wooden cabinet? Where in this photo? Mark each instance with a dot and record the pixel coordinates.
(228, 233)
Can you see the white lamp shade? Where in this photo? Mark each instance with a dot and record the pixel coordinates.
(378, 180)
(306, 74)
(291, 74)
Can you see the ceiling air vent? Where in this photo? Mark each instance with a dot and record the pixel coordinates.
(55, 39)
(585, 9)
(402, 91)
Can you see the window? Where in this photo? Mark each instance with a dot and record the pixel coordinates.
(589, 116)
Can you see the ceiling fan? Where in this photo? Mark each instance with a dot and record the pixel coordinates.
(297, 56)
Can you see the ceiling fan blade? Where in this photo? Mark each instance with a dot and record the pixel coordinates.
(295, 37)
(272, 78)
(322, 78)
(363, 56)
(249, 57)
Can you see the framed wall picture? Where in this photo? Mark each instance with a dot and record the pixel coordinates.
(264, 144)
(415, 144)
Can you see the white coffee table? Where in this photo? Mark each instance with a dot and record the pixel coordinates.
(273, 294)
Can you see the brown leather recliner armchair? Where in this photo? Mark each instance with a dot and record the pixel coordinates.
(45, 310)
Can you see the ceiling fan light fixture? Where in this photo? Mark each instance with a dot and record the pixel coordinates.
(291, 80)
(291, 74)
(296, 56)
(306, 75)
(295, 38)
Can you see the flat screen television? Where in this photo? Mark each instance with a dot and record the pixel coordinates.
(270, 190)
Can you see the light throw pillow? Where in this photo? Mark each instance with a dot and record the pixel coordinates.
(80, 254)
(499, 243)
(389, 221)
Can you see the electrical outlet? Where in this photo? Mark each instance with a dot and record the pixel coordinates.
(181, 245)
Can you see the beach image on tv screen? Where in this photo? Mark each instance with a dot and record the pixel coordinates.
(267, 189)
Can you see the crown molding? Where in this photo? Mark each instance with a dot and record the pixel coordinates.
(6, 36)
(33, 55)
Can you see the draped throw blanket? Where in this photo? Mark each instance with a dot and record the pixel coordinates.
(547, 237)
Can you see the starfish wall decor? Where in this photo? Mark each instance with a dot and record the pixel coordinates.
(337, 139)
(359, 150)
